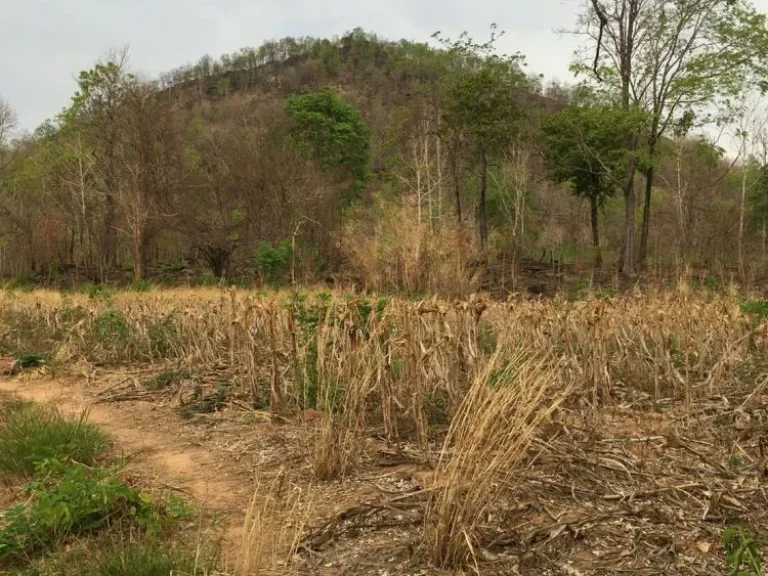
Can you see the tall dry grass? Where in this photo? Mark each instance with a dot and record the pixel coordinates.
(484, 448)
(397, 252)
(274, 523)
(394, 366)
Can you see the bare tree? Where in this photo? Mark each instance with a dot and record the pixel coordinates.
(147, 166)
(8, 123)
(8, 120)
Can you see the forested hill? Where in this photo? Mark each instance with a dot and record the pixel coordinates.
(404, 166)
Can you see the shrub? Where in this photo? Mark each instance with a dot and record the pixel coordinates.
(96, 291)
(757, 308)
(140, 286)
(31, 435)
(29, 359)
(207, 404)
(273, 261)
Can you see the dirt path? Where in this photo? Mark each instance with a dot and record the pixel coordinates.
(162, 454)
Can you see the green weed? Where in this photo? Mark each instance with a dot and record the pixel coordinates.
(69, 499)
(757, 308)
(31, 435)
(139, 559)
(742, 553)
(29, 359)
(111, 328)
(166, 378)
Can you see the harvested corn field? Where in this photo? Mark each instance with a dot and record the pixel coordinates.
(334, 434)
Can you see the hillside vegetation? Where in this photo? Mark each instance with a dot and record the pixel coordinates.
(411, 167)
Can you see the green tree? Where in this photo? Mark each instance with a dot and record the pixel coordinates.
(480, 109)
(674, 58)
(585, 145)
(94, 112)
(332, 132)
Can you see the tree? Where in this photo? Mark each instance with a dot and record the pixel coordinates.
(147, 164)
(585, 145)
(480, 109)
(8, 123)
(332, 132)
(674, 58)
(94, 111)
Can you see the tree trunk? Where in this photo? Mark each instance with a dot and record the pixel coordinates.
(482, 220)
(109, 242)
(456, 187)
(139, 255)
(742, 211)
(628, 265)
(646, 217)
(649, 173)
(595, 232)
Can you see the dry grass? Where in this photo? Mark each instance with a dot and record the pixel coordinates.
(652, 392)
(396, 367)
(272, 530)
(484, 448)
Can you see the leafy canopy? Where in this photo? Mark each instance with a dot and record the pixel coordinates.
(332, 132)
(585, 145)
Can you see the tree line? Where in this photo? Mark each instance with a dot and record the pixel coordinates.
(436, 166)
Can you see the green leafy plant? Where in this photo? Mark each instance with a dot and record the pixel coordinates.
(111, 328)
(140, 286)
(273, 261)
(31, 434)
(140, 559)
(30, 359)
(742, 553)
(757, 308)
(69, 499)
(97, 291)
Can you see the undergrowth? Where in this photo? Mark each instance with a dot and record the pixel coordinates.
(70, 499)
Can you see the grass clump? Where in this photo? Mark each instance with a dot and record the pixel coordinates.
(485, 446)
(143, 558)
(31, 435)
(29, 359)
(757, 308)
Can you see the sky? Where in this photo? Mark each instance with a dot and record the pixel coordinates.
(45, 43)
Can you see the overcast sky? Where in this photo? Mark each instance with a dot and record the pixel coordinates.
(45, 43)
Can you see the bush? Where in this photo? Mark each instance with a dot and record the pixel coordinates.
(207, 404)
(757, 308)
(111, 328)
(166, 378)
(97, 291)
(31, 435)
(273, 261)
